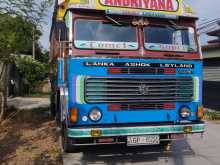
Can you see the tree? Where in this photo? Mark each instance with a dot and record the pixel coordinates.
(15, 36)
(43, 57)
(32, 70)
(19, 20)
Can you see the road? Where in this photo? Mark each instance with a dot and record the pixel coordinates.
(194, 150)
(21, 103)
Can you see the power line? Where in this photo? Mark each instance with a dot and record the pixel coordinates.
(202, 23)
(209, 23)
(208, 26)
(206, 31)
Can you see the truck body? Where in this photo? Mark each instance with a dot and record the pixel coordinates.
(125, 72)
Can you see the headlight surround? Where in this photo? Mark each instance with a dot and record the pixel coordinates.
(95, 115)
(185, 112)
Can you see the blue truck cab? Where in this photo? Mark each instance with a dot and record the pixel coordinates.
(125, 72)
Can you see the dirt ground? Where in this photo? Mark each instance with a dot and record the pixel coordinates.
(29, 138)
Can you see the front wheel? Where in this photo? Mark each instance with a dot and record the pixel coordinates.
(67, 143)
(167, 145)
(58, 110)
(52, 105)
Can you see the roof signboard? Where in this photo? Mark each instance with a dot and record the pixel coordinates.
(148, 8)
(155, 5)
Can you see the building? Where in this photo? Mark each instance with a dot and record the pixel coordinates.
(211, 54)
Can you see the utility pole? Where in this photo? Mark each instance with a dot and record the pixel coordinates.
(219, 33)
(33, 43)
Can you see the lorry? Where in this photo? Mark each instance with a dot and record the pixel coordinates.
(125, 72)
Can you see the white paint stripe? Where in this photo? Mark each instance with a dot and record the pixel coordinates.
(121, 129)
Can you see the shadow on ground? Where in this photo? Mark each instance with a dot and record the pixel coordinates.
(211, 95)
(114, 155)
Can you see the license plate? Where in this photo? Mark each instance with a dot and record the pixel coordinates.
(143, 140)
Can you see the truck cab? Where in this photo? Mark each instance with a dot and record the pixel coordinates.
(125, 73)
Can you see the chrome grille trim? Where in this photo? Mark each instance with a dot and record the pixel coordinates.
(125, 90)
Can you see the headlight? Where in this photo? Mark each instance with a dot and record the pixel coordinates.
(185, 112)
(95, 114)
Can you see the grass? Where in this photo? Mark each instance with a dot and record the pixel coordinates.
(27, 115)
(42, 95)
(211, 115)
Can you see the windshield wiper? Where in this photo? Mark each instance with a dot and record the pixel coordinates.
(113, 20)
(190, 49)
(175, 26)
(117, 23)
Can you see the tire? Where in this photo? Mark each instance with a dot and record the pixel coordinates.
(58, 110)
(52, 105)
(167, 145)
(67, 143)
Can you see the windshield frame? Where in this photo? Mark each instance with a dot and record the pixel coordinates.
(169, 25)
(101, 19)
(141, 52)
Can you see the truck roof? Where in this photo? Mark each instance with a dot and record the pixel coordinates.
(170, 9)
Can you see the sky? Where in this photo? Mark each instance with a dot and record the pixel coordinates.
(205, 9)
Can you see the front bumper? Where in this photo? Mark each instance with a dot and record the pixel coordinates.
(114, 131)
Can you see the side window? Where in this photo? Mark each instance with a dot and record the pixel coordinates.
(170, 38)
(191, 38)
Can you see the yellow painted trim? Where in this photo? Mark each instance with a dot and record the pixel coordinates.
(96, 5)
(62, 10)
(99, 6)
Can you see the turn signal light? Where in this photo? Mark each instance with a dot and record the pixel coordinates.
(73, 115)
(200, 112)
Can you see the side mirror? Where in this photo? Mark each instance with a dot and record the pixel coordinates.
(192, 42)
(61, 31)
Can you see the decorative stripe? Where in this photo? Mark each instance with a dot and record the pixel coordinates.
(122, 131)
(84, 44)
(144, 14)
(67, 19)
(196, 88)
(60, 63)
(80, 89)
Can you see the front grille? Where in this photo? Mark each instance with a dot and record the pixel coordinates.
(136, 90)
(140, 106)
(150, 71)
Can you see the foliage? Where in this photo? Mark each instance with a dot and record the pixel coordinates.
(19, 20)
(31, 10)
(33, 71)
(212, 115)
(43, 57)
(15, 37)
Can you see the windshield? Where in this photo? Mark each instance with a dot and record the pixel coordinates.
(97, 34)
(170, 39)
